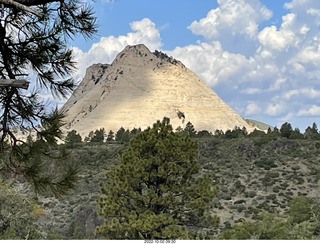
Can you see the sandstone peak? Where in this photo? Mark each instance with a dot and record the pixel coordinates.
(140, 55)
(138, 50)
(140, 87)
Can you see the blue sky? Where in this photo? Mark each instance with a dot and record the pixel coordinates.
(262, 57)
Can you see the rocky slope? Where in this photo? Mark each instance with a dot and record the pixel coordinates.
(140, 87)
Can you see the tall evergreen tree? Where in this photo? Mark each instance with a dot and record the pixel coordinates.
(190, 129)
(286, 130)
(33, 38)
(312, 133)
(157, 192)
(110, 136)
(72, 138)
(98, 136)
(314, 128)
(296, 134)
(119, 134)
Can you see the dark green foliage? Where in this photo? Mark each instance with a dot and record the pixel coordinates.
(218, 133)
(55, 236)
(72, 138)
(76, 231)
(17, 215)
(312, 132)
(45, 166)
(257, 133)
(296, 134)
(295, 168)
(110, 136)
(272, 227)
(119, 134)
(273, 135)
(134, 131)
(303, 223)
(88, 138)
(265, 163)
(156, 191)
(231, 163)
(286, 130)
(301, 209)
(250, 194)
(126, 136)
(237, 132)
(231, 134)
(204, 134)
(189, 129)
(98, 136)
(39, 45)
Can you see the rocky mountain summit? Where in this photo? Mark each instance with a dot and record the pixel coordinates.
(140, 87)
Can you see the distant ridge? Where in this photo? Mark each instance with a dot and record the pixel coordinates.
(259, 125)
(140, 87)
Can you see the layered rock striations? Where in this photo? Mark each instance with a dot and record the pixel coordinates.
(140, 87)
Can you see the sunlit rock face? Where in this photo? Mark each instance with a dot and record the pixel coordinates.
(140, 87)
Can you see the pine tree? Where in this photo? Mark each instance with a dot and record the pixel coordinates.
(98, 136)
(72, 138)
(33, 38)
(312, 133)
(110, 136)
(286, 130)
(314, 128)
(119, 134)
(157, 191)
(126, 136)
(190, 129)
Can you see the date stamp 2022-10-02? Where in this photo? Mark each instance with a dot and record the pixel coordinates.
(160, 241)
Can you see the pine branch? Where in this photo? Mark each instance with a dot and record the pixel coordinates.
(21, 6)
(40, 43)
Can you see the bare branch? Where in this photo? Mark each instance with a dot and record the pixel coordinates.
(14, 83)
(33, 2)
(20, 6)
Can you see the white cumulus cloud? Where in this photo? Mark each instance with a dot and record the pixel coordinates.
(104, 51)
(314, 110)
(234, 17)
(274, 109)
(252, 108)
(211, 62)
(282, 38)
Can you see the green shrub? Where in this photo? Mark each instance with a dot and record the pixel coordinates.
(273, 174)
(271, 197)
(265, 163)
(241, 208)
(300, 180)
(276, 189)
(250, 194)
(55, 236)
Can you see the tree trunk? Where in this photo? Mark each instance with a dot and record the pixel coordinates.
(29, 2)
(24, 4)
(14, 83)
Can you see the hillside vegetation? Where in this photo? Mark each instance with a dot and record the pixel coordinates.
(268, 185)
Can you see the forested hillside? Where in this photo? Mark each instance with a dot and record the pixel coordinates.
(268, 186)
